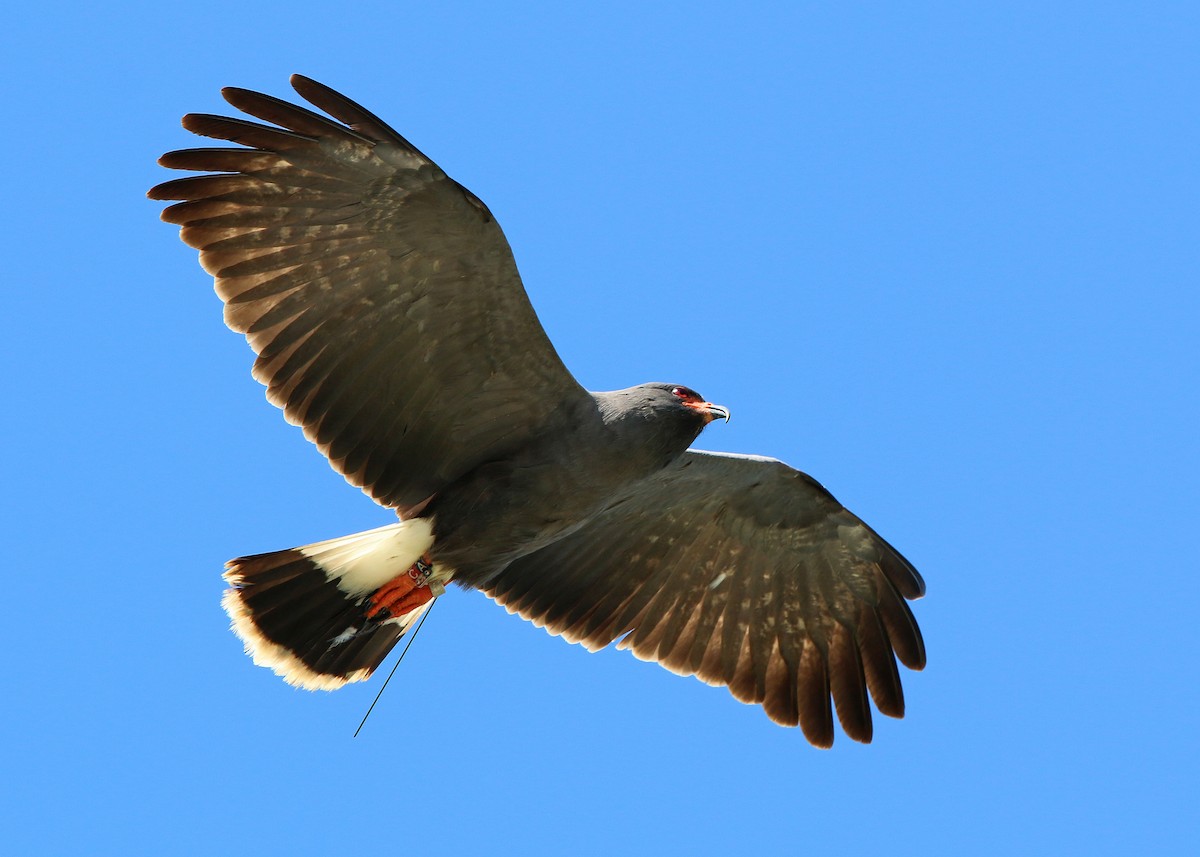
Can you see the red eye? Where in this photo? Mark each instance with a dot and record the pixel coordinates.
(684, 393)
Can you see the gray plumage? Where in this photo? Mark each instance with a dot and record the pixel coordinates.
(390, 323)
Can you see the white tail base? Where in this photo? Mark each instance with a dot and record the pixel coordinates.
(361, 563)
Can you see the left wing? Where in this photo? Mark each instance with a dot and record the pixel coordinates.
(380, 295)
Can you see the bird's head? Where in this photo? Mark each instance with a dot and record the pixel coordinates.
(679, 410)
(694, 403)
(654, 423)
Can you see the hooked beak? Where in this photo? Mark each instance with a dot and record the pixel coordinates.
(713, 412)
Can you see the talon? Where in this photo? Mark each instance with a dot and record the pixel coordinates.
(403, 593)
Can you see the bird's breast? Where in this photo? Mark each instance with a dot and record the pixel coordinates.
(505, 510)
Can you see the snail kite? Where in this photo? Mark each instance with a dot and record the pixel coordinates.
(390, 323)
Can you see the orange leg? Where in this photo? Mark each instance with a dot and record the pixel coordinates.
(404, 593)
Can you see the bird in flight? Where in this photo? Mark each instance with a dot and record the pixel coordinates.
(389, 322)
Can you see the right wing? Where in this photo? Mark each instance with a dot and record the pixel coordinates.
(743, 572)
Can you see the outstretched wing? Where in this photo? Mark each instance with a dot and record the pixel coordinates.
(743, 572)
(380, 295)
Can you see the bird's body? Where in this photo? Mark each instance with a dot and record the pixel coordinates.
(390, 323)
(591, 455)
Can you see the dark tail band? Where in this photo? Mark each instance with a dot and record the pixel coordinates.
(292, 617)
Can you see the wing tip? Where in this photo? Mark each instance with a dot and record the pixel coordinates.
(297, 81)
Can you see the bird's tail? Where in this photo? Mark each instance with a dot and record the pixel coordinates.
(328, 613)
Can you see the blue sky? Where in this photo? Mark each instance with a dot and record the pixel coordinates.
(943, 258)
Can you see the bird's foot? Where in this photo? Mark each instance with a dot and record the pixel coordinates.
(404, 593)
